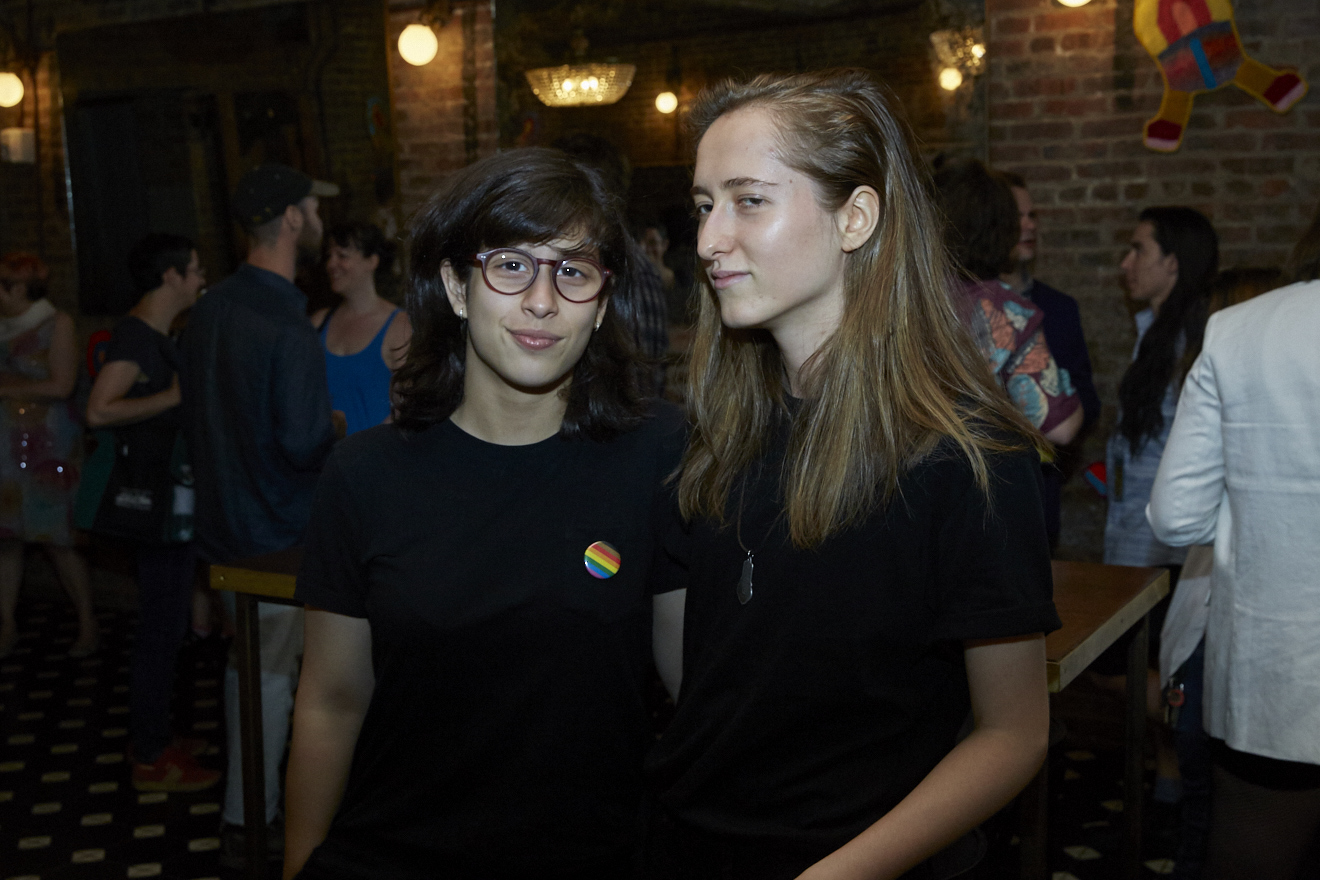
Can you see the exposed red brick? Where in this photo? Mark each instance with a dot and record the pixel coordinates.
(1042, 44)
(1012, 24)
(1041, 131)
(1074, 20)
(1076, 106)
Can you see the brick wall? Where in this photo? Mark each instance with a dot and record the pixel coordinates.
(1069, 93)
(429, 103)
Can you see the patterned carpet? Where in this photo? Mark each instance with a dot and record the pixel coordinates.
(69, 810)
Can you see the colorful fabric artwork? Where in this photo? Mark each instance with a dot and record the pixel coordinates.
(1196, 45)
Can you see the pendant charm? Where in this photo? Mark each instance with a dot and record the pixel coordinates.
(745, 582)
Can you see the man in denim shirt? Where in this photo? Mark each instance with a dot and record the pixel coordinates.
(258, 421)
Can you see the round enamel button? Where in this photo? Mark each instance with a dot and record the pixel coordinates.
(602, 560)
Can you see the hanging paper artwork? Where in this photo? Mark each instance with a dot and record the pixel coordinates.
(1197, 47)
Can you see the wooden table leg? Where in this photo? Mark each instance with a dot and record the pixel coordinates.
(1134, 757)
(247, 638)
(1033, 803)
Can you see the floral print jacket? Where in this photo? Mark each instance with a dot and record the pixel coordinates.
(1007, 329)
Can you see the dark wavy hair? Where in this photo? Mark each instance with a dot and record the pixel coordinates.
(1188, 235)
(1304, 262)
(981, 217)
(370, 242)
(153, 254)
(526, 196)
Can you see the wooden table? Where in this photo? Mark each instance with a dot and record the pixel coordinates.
(267, 578)
(1097, 604)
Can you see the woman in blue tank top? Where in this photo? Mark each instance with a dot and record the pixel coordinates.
(365, 337)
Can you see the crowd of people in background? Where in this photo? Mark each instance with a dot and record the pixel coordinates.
(844, 585)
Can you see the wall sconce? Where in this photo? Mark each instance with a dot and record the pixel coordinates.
(579, 84)
(418, 44)
(11, 89)
(666, 102)
(961, 54)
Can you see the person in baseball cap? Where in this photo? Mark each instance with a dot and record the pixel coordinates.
(259, 423)
(267, 190)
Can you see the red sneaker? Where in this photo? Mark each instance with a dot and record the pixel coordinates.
(174, 770)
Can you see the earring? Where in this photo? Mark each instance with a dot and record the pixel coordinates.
(462, 316)
(598, 323)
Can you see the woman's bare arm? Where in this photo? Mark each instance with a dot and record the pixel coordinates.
(107, 406)
(334, 692)
(1010, 705)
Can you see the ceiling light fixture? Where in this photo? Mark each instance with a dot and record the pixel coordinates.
(580, 83)
(11, 89)
(666, 102)
(418, 44)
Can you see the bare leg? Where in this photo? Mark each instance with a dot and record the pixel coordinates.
(11, 575)
(72, 569)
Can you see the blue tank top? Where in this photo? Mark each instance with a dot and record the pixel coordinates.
(359, 383)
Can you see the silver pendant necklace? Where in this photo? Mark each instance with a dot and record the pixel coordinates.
(749, 564)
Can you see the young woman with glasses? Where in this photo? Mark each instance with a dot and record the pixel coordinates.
(862, 536)
(473, 700)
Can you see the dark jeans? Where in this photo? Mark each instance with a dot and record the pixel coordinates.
(1194, 765)
(165, 580)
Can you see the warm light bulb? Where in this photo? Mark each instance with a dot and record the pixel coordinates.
(978, 51)
(666, 102)
(11, 90)
(568, 85)
(1074, 3)
(590, 83)
(418, 45)
(950, 79)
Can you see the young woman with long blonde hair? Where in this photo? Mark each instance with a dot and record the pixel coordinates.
(861, 532)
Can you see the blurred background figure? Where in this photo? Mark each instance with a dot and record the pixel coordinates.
(1170, 265)
(42, 444)
(365, 337)
(1242, 469)
(981, 230)
(1067, 342)
(137, 394)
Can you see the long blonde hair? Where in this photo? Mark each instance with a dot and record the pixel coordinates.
(899, 374)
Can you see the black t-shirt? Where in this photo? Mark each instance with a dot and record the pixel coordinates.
(157, 359)
(809, 712)
(509, 721)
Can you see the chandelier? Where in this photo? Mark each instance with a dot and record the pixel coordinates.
(580, 83)
(961, 54)
(576, 85)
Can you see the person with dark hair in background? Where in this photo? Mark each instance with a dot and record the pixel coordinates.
(365, 337)
(650, 312)
(1063, 334)
(473, 701)
(980, 231)
(259, 425)
(1170, 266)
(137, 393)
(1241, 468)
(39, 469)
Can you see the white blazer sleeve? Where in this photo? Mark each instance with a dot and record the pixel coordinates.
(1189, 486)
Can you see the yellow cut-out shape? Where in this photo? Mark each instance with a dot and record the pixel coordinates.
(1195, 44)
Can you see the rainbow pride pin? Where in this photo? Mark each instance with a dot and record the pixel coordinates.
(602, 560)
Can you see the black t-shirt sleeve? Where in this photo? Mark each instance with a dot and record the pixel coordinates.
(134, 341)
(992, 559)
(333, 575)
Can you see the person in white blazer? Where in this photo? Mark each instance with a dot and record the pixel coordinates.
(1242, 469)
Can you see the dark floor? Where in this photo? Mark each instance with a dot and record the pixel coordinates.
(68, 809)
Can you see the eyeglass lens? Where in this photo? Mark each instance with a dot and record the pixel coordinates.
(513, 271)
